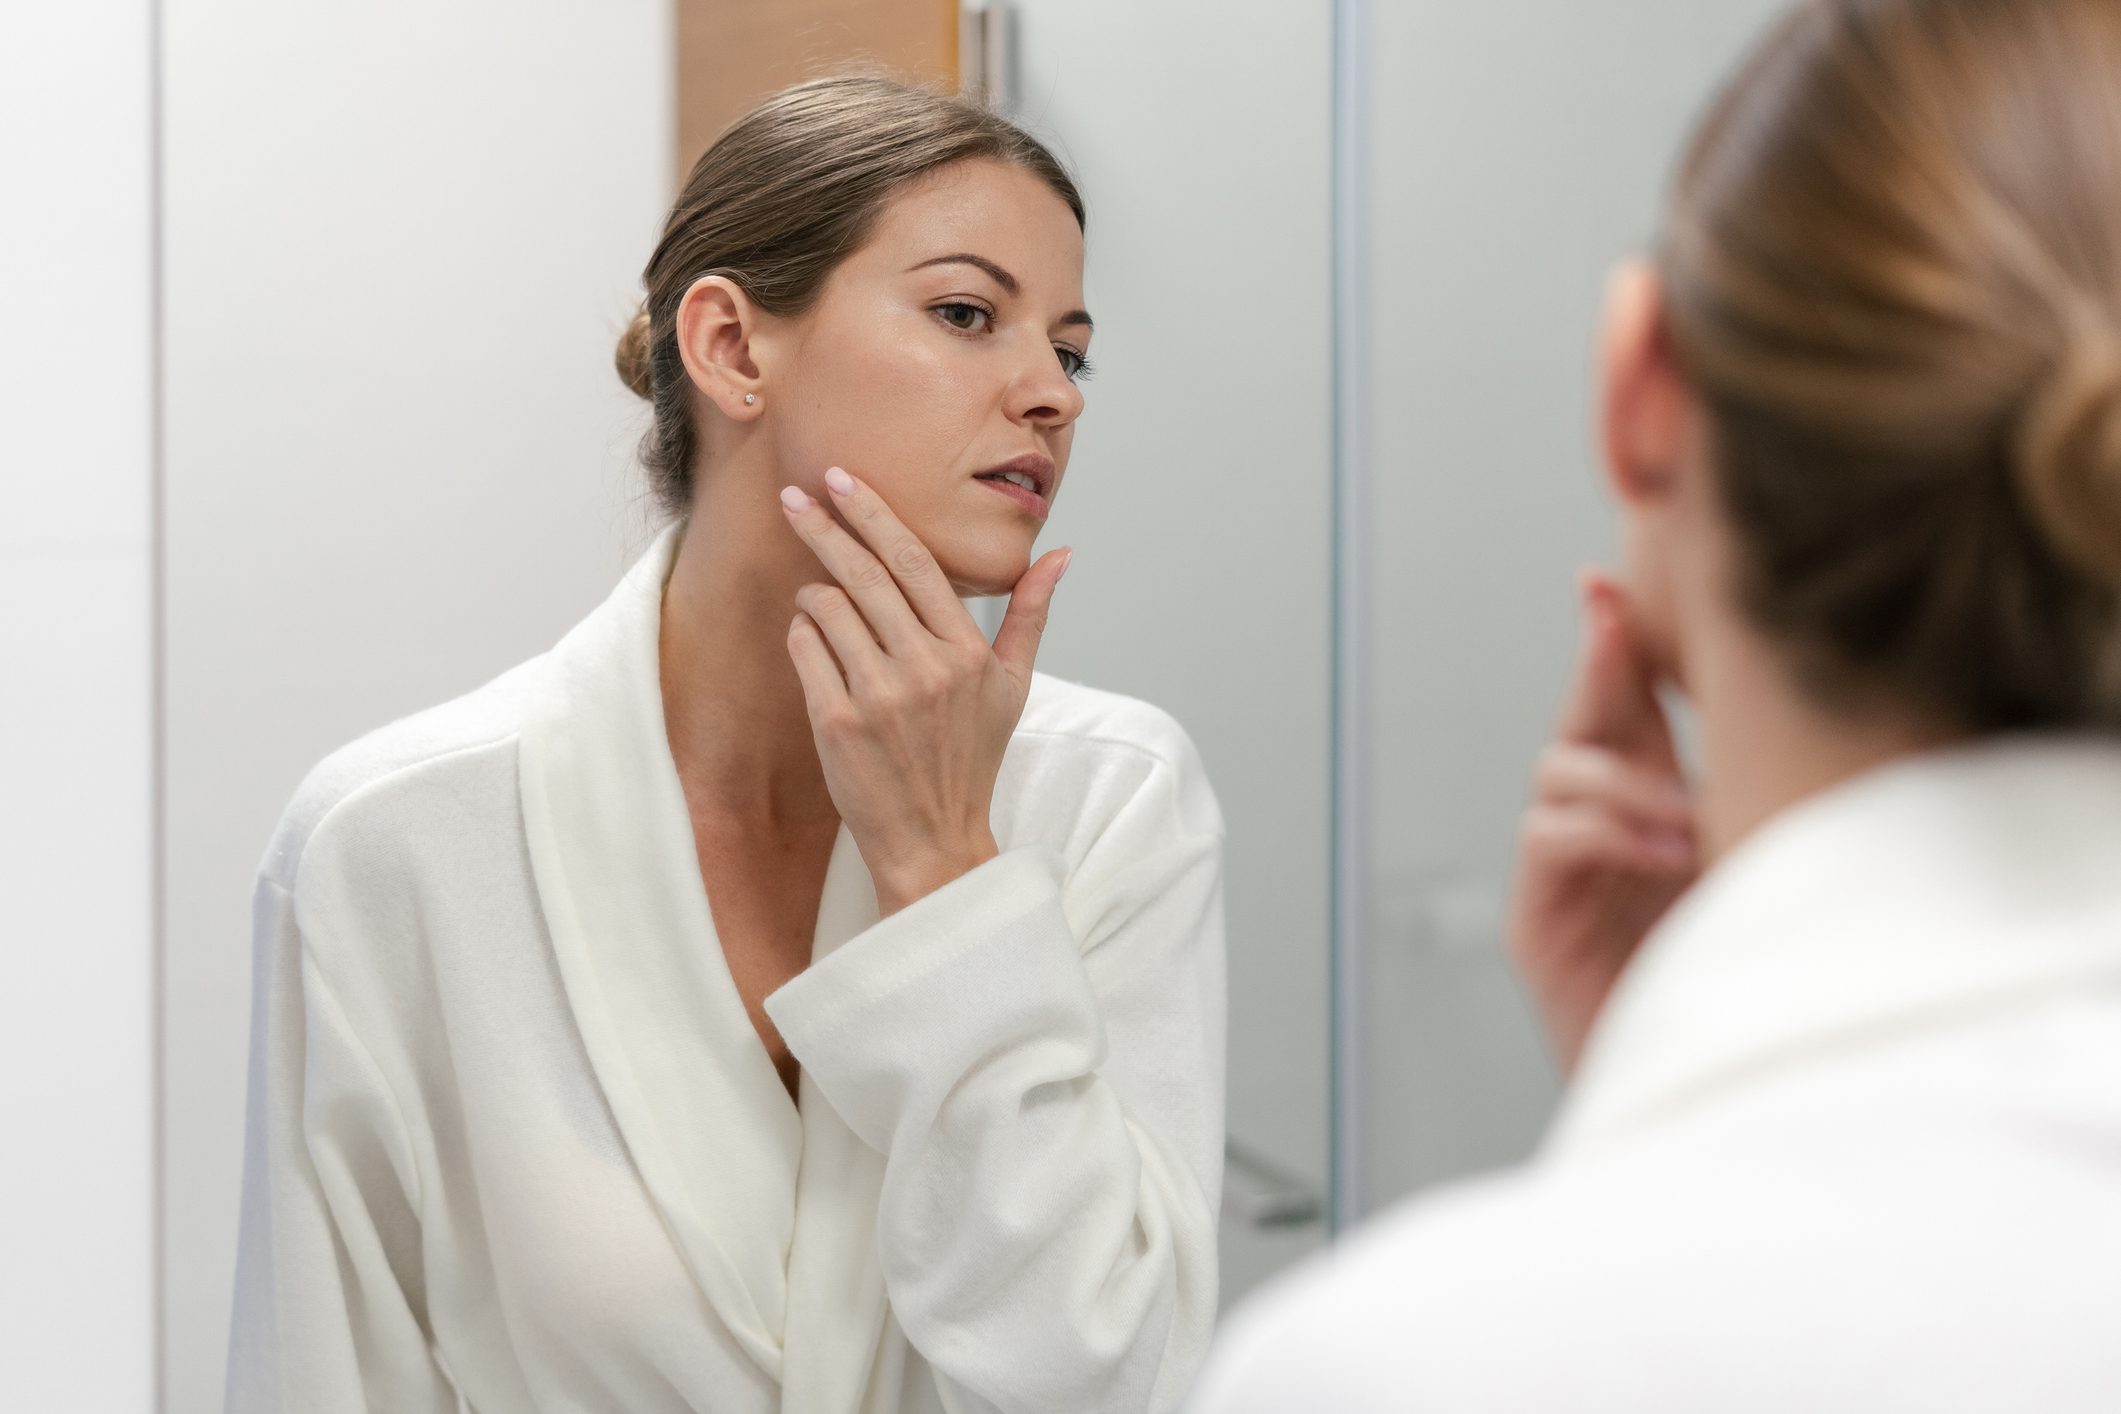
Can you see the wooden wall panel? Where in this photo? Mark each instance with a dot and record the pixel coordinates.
(731, 53)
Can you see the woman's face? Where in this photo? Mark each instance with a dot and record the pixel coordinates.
(945, 349)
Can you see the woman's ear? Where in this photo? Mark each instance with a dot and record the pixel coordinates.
(716, 325)
(1644, 403)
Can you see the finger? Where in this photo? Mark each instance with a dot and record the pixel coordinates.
(920, 580)
(860, 573)
(824, 690)
(1580, 837)
(1024, 625)
(1612, 701)
(861, 660)
(1570, 774)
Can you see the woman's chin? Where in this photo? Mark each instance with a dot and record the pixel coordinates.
(983, 576)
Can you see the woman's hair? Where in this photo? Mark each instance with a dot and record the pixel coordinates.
(1893, 272)
(788, 192)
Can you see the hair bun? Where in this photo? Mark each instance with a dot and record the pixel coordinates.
(2069, 457)
(635, 356)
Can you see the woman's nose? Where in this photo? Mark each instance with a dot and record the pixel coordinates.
(1045, 393)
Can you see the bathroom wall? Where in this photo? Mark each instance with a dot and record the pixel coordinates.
(77, 742)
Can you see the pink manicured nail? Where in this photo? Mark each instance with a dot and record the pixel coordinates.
(841, 483)
(793, 498)
(1066, 560)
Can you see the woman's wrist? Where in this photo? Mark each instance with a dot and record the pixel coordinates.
(907, 879)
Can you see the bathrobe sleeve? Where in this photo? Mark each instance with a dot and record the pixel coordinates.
(1040, 1061)
(328, 1308)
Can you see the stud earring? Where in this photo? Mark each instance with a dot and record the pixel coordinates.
(750, 398)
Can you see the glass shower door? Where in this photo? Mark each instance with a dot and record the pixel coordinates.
(1497, 161)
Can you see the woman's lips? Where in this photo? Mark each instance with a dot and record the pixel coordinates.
(1028, 501)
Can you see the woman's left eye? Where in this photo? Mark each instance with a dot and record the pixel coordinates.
(1075, 365)
(965, 318)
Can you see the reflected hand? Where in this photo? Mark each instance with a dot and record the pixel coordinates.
(1609, 841)
(910, 707)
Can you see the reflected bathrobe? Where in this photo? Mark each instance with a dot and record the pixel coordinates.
(513, 1144)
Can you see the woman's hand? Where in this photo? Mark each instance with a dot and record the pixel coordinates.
(911, 708)
(1609, 841)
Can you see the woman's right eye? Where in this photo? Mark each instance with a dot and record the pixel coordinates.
(961, 316)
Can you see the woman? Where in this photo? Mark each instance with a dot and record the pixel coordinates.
(773, 997)
(1845, 1129)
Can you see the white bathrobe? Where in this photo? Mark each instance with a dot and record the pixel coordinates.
(1846, 1141)
(514, 1145)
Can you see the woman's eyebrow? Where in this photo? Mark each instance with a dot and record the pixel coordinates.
(1003, 278)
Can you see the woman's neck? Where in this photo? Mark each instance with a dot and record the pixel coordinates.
(1766, 745)
(732, 703)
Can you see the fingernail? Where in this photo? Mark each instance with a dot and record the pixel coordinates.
(1066, 560)
(841, 483)
(793, 498)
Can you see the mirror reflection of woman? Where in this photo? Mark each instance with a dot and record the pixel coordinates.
(1843, 1133)
(774, 997)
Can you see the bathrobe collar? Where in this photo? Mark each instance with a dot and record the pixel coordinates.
(1934, 890)
(769, 1206)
